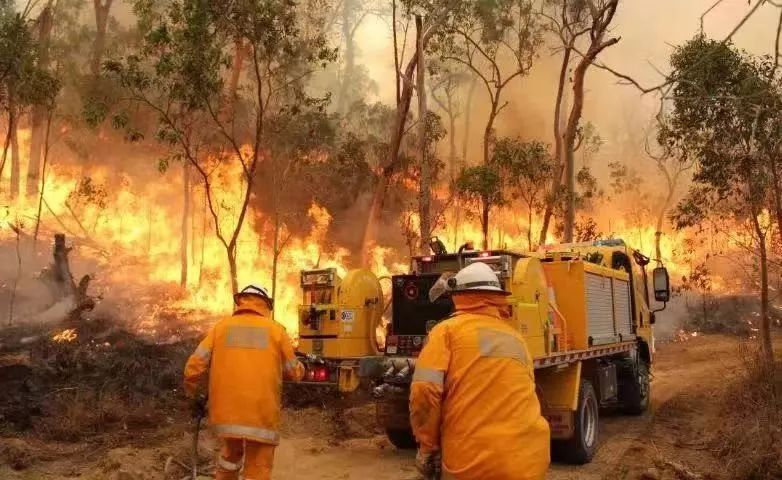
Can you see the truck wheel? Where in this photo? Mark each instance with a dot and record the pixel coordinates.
(402, 439)
(580, 449)
(636, 389)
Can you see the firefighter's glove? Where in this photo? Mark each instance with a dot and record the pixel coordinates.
(429, 464)
(198, 406)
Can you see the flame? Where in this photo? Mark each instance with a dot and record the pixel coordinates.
(130, 226)
(66, 336)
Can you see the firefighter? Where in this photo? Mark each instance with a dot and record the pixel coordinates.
(473, 406)
(245, 356)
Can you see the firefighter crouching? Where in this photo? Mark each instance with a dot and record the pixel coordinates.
(473, 406)
(245, 356)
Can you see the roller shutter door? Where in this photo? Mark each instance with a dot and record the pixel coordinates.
(600, 309)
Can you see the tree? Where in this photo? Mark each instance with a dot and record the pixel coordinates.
(724, 111)
(436, 13)
(481, 186)
(445, 93)
(674, 171)
(602, 14)
(38, 120)
(567, 21)
(102, 9)
(23, 81)
(482, 38)
(529, 168)
(178, 74)
(351, 14)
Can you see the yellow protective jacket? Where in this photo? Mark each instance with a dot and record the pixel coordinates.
(246, 356)
(473, 396)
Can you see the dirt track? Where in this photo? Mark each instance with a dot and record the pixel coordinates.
(679, 429)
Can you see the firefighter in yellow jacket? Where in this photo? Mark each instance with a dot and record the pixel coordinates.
(473, 406)
(245, 357)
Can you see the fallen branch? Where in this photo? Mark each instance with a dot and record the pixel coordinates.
(681, 471)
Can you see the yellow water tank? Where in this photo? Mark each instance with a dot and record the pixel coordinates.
(338, 316)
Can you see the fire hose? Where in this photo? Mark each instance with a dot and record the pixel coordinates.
(200, 413)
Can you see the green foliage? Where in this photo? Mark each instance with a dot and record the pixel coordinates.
(20, 72)
(727, 115)
(480, 183)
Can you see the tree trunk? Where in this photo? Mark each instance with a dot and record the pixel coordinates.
(425, 184)
(485, 222)
(388, 171)
(231, 252)
(7, 142)
(350, 55)
(275, 253)
(101, 25)
(203, 242)
(529, 228)
(765, 319)
(661, 218)
(47, 147)
(776, 189)
(240, 51)
(556, 182)
(396, 52)
(185, 218)
(467, 117)
(15, 166)
(570, 149)
(488, 132)
(452, 160)
(39, 112)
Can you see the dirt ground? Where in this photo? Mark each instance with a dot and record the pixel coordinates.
(678, 433)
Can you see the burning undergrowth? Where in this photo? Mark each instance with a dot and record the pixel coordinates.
(93, 379)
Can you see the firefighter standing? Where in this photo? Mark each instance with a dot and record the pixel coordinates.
(473, 406)
(245, 356)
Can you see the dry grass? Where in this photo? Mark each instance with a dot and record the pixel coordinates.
(751, 435)
(73, 416)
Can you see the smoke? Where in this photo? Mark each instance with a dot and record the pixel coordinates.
(648, 31)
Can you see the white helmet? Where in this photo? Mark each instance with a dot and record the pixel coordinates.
(477, 277)
(258, 292)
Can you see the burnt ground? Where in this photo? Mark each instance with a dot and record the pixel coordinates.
(679, 436)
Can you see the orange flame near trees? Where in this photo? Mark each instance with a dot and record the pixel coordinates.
(131, 227)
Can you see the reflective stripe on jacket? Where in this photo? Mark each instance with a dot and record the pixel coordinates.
(246, 356)
(473, 396)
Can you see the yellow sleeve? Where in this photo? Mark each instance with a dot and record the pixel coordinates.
(426, 391)
(198, 365)
(292, 368)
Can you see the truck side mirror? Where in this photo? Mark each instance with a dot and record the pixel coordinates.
(662, 284)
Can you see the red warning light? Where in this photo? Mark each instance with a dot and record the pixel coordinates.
(321, 375)
(411, 290)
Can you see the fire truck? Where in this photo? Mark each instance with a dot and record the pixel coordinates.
(584, 310)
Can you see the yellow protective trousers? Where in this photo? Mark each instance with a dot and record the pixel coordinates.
(258, 459)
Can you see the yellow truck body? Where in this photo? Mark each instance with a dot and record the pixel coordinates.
(583, 309)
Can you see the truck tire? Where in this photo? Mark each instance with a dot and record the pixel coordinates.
(402, 439)
(580, 449)
(636, 389)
